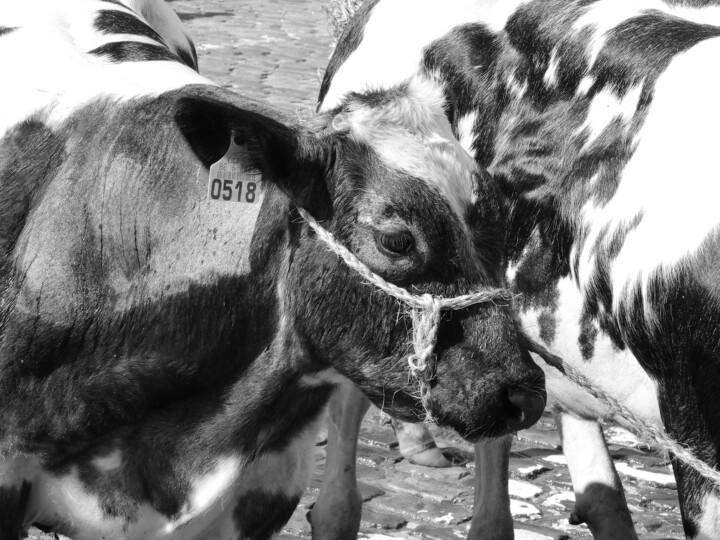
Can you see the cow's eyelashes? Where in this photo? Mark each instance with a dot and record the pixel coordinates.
(395, 243)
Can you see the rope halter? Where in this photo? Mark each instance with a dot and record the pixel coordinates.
(425, 310)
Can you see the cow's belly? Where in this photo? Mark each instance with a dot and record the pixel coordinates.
(232, 499)
(614, 371)
(67, 506)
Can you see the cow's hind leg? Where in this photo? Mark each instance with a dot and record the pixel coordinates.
(417, 445)
(336, 514)
(491, 518)
(599, 496)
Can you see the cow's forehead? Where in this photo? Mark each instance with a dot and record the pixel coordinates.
(409, 131)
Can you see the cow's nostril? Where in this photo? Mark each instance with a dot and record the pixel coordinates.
(524, 408)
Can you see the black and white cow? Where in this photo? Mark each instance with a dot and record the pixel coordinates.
(169, 336)
(597, 121)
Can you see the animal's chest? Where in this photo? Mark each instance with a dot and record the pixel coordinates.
(558, 318)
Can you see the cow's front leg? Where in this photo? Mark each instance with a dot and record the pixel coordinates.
(15, 487)
(417, 445)
(336, 514)
(491, 518)
(599, 496)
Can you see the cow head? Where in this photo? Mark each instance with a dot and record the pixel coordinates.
(386, 177)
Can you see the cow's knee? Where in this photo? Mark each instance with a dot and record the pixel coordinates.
(337, 511)
(599, 496)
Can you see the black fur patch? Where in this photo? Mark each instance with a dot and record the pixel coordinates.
(259, 515)
(640, 49)
(189, 57)
(588, 336)
(349, 41)
(465, 57)
(6, 30)
(13, 508)
(121, 22)
(133, 51)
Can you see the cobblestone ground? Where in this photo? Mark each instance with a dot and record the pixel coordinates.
(276, 50)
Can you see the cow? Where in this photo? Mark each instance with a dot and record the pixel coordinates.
(596, 121)
(171, 329)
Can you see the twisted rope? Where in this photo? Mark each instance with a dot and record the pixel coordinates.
(425, 310)
(647, 431)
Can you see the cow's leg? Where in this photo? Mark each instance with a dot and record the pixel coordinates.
(599, 496)
(15, 487)
(417, 445)
(336, 514)
(491, 514)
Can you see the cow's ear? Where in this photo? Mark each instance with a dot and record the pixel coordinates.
(296, 161)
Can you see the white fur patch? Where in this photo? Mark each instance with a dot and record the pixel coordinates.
(381, 62)
(708, 525)
(671, 180)
(466, 132)
(636, 390)
(326, 376)
(47, 59)
(550, 77)
(209, 493)
(109, 462)
(605, 107)
(413, 135)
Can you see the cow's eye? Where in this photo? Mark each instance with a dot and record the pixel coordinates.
(396, 243)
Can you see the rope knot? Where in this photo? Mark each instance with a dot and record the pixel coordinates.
(426, 319)
(425, 310)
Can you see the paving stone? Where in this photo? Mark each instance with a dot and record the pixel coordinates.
(543, 433)
(523, 490)
(444, 474)
(523, 509)
(434, 532)
(376, 519)
(424, 488)
(417, 509)
(663, 479)
(528, 469)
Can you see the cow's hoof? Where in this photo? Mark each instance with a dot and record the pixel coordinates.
(429, 457)
(575, 518)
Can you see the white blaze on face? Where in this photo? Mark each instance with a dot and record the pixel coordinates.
(411, 134)
(396, 34)
(49, 69)
(672, 180)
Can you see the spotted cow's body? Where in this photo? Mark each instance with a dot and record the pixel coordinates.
(164, 356)
(597, 120)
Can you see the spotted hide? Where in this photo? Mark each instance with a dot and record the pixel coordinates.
(170, 330)
(597, 121)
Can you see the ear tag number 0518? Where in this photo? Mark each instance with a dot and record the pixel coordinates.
(231, 180)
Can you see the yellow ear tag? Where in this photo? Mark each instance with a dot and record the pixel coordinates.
(232, 180)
